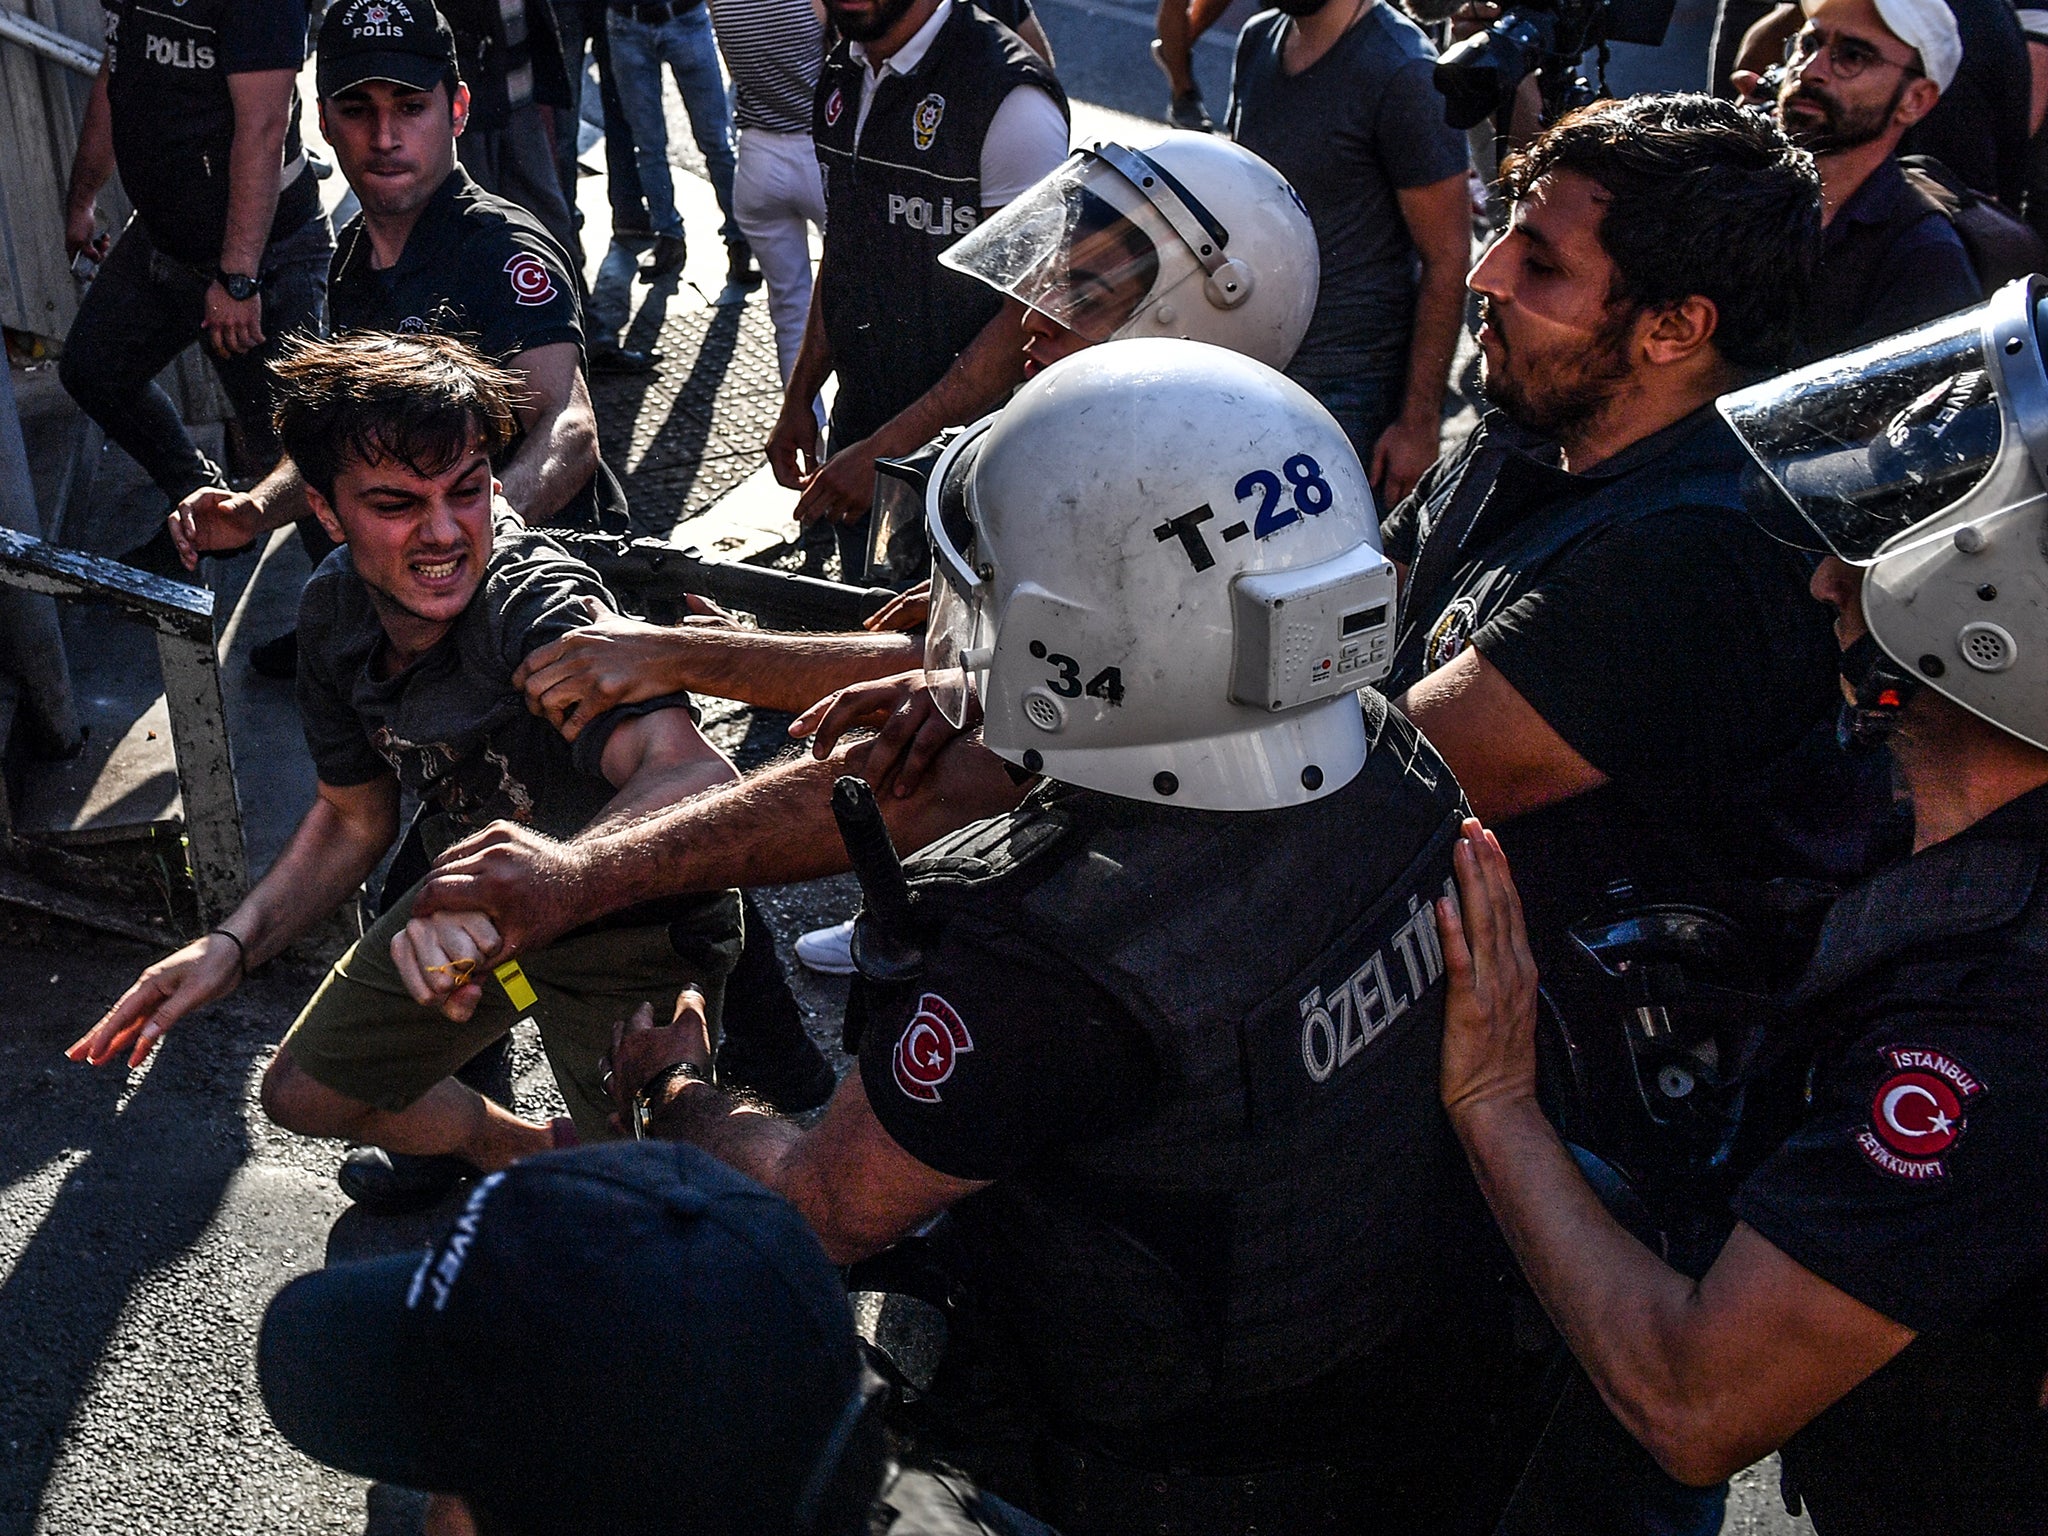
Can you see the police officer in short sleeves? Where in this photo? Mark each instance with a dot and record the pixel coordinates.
(1878, 1314)
(1169, 1066)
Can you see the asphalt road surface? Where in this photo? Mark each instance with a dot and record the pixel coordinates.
(146, 1218)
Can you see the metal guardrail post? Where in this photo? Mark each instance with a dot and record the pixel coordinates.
(57, 47)
(182, 617)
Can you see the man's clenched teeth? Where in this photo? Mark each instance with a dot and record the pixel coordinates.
(439, 570)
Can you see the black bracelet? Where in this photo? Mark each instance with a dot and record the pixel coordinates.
(241, 950)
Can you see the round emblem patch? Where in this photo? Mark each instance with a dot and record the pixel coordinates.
(1451, 633)
(1918, 1112)
(834, 105)
(531, 282)
(930, 1044)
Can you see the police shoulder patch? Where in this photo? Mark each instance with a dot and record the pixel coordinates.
(1918, 1113)
(927, 1050)
(532, 283)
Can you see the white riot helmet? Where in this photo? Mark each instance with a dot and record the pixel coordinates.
(1193, 236)
(1923, 459)
(1159, 569)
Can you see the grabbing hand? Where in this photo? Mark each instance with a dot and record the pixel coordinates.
(212, 519)
(641, 1048)
(1490, 1013)
(906, 610)
(202, 972)
(842, 489)
(438, 957)
(612, 660)
(529, 886)
(909, 730)
(794, 447)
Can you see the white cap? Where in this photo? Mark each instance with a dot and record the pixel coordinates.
(1930, 27)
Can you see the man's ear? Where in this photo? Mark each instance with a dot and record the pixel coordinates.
(1678, 332)
(324, 510)
(458, 108)
(1916, 101)
(320, 115)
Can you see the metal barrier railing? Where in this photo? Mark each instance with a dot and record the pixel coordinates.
(182, 617)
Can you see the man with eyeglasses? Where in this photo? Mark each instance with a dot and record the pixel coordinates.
(1859, 74)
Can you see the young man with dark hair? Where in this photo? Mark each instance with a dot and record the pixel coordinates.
(1604, 647)
(433, 251)
(411, 636)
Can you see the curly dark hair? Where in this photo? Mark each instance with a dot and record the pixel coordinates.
(1703, 197)
(424, 401)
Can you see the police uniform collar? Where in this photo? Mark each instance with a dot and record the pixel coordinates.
(906, 59)
(439, 212)
(1543, 453)
(1980, 879)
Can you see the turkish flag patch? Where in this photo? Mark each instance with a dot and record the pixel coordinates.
(531, 281)
(834, 105)
(1918, 1112)
(931, 1043)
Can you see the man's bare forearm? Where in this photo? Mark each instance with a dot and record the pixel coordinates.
(813, 363)
(255, 164)
(1433, 342)
(93, 166)
(328, 857)
(981, 378)
(790, 672)
(280, 497)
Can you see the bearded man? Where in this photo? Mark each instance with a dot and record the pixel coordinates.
(1858, 75)
(1605, 648)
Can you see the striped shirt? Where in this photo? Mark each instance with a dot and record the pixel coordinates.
(773, 49)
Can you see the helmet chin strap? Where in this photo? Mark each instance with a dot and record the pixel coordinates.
(1882, 691)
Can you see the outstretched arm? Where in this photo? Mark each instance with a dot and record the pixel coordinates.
(770, 828)
(1710, 1374)
(617, 660)
(333, 851)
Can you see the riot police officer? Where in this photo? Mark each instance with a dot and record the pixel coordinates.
(1216, 1239)
(1048, 250)
(1877, 1312)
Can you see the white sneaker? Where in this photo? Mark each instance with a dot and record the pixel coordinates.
(828, 951)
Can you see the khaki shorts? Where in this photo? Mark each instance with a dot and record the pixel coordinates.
(363, 1036)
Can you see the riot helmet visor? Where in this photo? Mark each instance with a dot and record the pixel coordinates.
(955, 642)
(1871, 443)
(1085, 247)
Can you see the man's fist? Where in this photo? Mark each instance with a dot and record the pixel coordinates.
(212, 521)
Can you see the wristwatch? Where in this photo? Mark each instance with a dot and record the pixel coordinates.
(647, 1099)
(239, 287)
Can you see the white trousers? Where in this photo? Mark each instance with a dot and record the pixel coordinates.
(777, 195)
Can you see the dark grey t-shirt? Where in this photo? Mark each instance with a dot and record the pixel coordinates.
(1362, 123)
(452, 726)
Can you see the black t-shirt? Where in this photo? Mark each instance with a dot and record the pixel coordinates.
(1679, 653)
(452, 726)
(174, 119)
(999, 1058)
(477, 267)
(1917, 1182)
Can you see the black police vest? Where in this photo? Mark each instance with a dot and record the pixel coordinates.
(1948, 1435)
(1291, 1196)
(895, 317)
